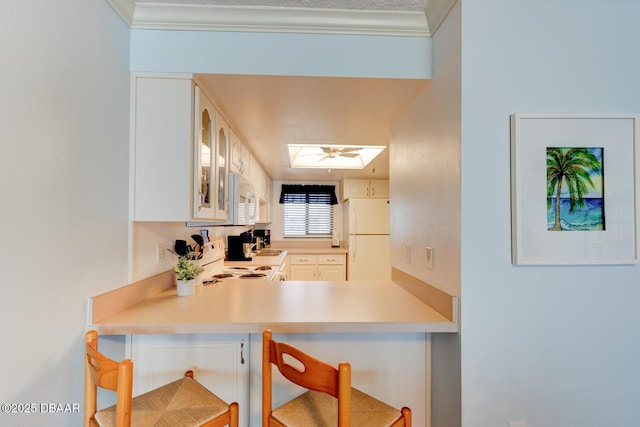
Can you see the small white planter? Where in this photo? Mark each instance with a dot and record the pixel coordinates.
(185, 287)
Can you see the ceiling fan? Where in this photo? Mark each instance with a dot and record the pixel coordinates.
(332, 156)
(333, 152)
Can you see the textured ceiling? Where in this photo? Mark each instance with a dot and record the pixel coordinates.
(411, 5)
(270, 111)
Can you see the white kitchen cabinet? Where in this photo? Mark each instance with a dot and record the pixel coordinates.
(203, 160)
(173, 147)
(264, 202)
(365, 188)
(219, 362)
(317, 267)
(240, 157)
(257, 176)
(262, 185)
(221, 160)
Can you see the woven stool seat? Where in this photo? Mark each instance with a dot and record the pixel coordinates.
(329, 401)
(316, 409)
(184, 402)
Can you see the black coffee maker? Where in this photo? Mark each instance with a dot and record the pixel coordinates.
(236, 246)
(265, 235)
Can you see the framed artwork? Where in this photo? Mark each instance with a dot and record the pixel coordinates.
(574, 189)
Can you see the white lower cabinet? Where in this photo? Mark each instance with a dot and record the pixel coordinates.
(220, 362)
(393, 367)
(317, 267)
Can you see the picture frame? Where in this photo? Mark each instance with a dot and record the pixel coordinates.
(574, 189)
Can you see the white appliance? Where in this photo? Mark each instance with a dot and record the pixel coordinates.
(215, 270)
(367, 236)
(242, 201)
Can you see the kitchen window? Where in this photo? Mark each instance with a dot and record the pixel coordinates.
(308, 210)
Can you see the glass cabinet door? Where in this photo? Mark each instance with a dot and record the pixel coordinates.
(204, 152)
(222, 168)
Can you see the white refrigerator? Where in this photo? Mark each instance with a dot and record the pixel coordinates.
(368, 244)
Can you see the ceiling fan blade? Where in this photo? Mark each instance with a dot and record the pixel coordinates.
(348, 150)
(310, 154)
(349, 154)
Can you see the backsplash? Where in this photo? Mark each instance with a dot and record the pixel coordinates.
(147, 236)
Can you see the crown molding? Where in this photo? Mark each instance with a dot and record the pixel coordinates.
(124, 8)
(437, 11)
(174, 16)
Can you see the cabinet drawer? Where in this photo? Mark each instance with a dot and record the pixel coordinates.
(304, 259)
(331, 259)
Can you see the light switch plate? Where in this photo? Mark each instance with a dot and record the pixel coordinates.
(159, 253)
(429, 257)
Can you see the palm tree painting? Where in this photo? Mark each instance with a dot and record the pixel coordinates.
(575, 189)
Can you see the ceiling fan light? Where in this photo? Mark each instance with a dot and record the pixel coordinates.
(323, 156)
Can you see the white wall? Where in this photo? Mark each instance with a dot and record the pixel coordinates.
(424, 162)
(425, 202)
(64, 96)
(550, 346)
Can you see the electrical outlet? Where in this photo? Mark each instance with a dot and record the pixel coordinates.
(159, 253)
(429, 257)
(407, 253)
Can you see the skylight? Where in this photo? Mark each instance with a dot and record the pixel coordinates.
(323, 156)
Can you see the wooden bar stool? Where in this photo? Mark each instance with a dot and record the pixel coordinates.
(330, 399)
(184, 402)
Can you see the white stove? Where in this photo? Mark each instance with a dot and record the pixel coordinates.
(215, 270)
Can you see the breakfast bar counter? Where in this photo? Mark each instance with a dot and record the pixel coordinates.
(381, 328)
(153, 307)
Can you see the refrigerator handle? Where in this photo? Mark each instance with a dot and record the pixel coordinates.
(353, 228)
(352, 250)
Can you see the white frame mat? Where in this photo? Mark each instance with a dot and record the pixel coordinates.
(532, 242)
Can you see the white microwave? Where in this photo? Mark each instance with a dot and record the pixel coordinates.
(242, 201)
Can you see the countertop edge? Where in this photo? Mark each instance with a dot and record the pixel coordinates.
(299, 327)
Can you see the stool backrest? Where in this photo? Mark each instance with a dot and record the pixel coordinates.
(305, 371)
(103, 372)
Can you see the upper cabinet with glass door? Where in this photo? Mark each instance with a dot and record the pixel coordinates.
(210, 198)
(221, 204)
(204, 152)
(179, 170)
(239, 155)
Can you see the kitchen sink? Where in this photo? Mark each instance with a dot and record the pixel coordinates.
(268, 252)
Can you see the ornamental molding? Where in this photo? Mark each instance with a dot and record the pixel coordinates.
(204, 17)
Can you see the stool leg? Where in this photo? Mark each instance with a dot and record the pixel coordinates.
(233, 410)
(406, 412)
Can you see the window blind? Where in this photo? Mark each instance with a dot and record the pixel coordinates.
(308, 210)
(312, 194)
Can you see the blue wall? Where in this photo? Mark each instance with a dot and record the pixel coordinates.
(552, 346)
(280, 54)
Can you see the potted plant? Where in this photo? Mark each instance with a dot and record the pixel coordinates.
(186, 272)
